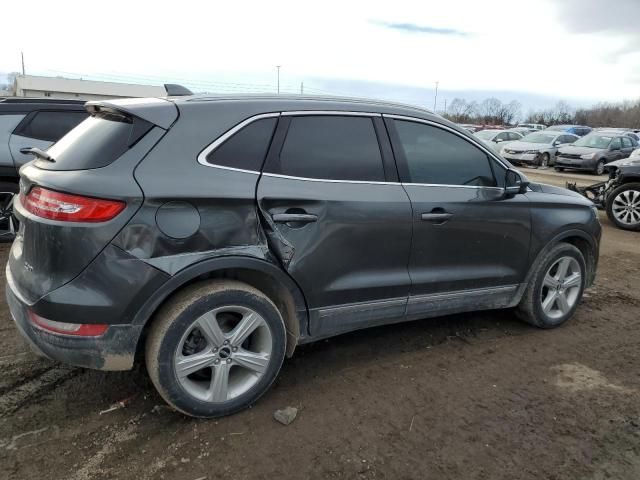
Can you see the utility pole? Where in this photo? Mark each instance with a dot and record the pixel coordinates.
(278, 67)
(301, 88)
(22, 55)
(435, 99)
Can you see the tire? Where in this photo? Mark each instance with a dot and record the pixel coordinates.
(8, 222)
(544, 160)
(599, 168)
(559, 169)
(539, 292)
(175, 337)
(623, 206)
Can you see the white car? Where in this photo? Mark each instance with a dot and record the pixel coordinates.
(497, 139)
(533, 126)
(537, 148)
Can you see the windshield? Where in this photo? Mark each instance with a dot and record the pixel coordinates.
(485, 134)
(539, 138)
(593, 141)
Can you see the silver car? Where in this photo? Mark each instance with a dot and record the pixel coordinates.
(537, 148)
(497, 139)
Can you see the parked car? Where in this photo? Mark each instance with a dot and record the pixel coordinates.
(620, 194)
(537, 148)
(215, 234)
(626, 131)
(497, 139)
(592, 152)
(25, 123)
(532, 126)
(579, 130)
(522, 130)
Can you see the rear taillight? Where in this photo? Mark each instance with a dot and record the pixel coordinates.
(69, 208)
(62, 328)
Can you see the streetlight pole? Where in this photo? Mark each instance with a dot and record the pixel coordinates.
(435, 99)
(278, 67)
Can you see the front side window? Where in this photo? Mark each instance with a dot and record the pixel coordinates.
(247, 148)
(616, 144)
(50, 125)
(331, 147)
(436, 156)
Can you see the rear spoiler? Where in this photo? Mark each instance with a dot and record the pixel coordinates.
(158, 111)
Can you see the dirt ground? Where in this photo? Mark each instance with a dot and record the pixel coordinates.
(475, 396)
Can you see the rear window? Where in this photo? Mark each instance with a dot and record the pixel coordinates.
(96, 142)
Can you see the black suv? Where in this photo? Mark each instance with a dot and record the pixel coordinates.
(27, 123)
(212, 235)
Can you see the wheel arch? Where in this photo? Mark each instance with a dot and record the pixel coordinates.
(261, 274)
(579, 239)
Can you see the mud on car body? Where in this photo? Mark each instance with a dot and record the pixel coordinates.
(212, 235)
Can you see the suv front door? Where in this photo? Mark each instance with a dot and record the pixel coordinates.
(470, 243)
(337, 218)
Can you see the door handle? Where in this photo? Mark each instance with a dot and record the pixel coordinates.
(436, 217)
(294, 217)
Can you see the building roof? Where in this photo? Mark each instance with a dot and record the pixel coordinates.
(87, 87)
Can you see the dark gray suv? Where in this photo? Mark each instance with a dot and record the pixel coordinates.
(212, 235)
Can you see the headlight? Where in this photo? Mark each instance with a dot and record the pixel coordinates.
(535, 152)
(588, 156)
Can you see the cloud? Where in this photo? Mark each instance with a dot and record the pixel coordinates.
(413, 28)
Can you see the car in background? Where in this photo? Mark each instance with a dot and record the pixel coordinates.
(538, 148)
(629, 132)
(532, 126)
(522, 130)
(28, 123)
(497, 139)
(592, 152)
(579, 130)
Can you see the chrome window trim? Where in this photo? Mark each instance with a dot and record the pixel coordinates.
(449, 186)
(202, 156)
(338, 113)
(449, 129)
(326, 180)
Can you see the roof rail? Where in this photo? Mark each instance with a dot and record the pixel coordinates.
(175, 90)
(39, 100)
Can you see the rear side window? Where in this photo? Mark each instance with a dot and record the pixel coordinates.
(96, 142)
(247, 148)
(332, 147)
(435, 156)
(50, 126)
(626, 142)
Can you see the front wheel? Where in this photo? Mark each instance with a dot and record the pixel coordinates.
(555, 288)
(544, 160)
(623, 206)
(559, 169)
(8, 222)
(599, 168)
(215, 348)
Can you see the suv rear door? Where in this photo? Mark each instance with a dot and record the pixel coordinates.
(337, 217)
(470, 243)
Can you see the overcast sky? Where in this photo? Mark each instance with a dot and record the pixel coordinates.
(580, 50)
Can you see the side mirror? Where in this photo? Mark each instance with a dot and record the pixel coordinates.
(556, 143)
(515, 183)
(498, 140)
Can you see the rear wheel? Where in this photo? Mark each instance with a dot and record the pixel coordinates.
(8, 222)
(623, 206)
(215, 348)
(559, 169)
(555, 289)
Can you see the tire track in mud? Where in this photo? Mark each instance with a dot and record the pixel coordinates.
(33, 387)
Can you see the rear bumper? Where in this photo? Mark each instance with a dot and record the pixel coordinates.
(114, 350)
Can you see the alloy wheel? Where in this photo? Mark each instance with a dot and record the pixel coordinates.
(626, 207)
(223, 354)
(561, 287)
(8, 223)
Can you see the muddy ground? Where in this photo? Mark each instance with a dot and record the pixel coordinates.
(475, 396)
